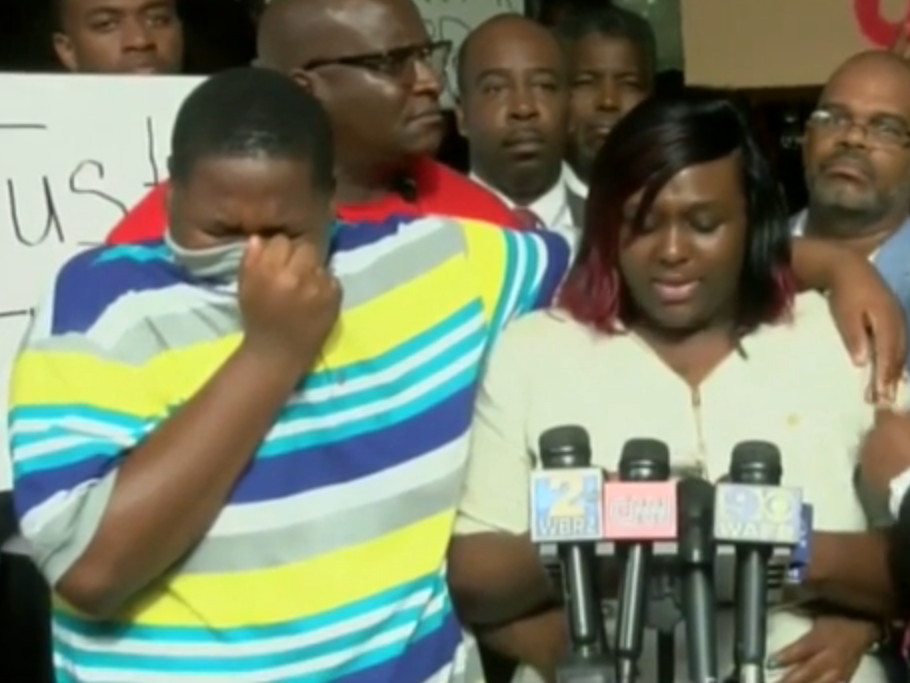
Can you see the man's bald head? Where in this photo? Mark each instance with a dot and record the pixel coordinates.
(857, 146)
(514, 105)
(877, 65)
(284, 27)
(375, 70)
(503, 29)
(292, 32)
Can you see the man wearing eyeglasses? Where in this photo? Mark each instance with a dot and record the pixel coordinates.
(373, 66)
(857, 160)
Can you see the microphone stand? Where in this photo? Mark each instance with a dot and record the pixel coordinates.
(666, 656)
(663, 618)
(587, 662)
(564, 448)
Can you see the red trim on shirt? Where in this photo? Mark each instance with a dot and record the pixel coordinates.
(439, 191)
(145, 221)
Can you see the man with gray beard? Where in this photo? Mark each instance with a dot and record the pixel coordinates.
(857, 160)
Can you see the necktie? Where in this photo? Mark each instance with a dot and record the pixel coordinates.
(527, 219)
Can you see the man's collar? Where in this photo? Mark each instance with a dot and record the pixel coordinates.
(575, 184)
(485, 185)
(547, 207)
(798, 223)
(556, 193)
(799, 219)
(798, 229)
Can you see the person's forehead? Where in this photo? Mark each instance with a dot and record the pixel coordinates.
(870, 91)
(84, 6)
(225, 175)
(371, 25)
(513, 47)
(594, 44)
(610, 54)
(716, 180)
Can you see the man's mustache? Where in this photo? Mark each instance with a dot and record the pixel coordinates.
(855, 160)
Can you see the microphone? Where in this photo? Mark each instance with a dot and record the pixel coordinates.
(754, 513)
(567, 509)
(639, 509)
(696, 568)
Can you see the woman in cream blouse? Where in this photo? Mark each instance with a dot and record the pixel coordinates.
(678, 322)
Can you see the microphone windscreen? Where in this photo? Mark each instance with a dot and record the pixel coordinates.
(756, 460)
(650, 455)
(566, 446)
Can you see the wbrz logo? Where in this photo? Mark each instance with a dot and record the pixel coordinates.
(566, 505)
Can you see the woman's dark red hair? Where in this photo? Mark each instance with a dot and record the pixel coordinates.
(657, 140)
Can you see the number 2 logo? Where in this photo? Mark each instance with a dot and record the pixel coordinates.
(567, 502)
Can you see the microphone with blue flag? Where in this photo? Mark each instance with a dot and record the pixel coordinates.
(566, 498)
(755, 513)
(567, 505)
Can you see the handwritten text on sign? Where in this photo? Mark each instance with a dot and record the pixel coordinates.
(69, 172)
(77, 152)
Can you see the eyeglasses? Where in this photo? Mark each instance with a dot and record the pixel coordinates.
(398, 63)
(878, 133)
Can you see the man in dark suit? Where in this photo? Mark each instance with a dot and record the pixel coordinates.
(513, 111)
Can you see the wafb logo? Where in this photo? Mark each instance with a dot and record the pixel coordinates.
(566, 505)
(758, 514)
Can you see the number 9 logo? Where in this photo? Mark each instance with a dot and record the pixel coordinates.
(777, 506)
(770, 504)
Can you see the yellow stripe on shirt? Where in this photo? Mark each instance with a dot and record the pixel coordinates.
(304, 588)
(486, 255)
(403, 312)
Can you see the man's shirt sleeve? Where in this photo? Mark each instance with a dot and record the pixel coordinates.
(516, 271)
(74, 413)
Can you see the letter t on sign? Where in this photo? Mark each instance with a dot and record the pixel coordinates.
(876, 29)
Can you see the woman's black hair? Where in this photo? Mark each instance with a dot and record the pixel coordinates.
(648, 147)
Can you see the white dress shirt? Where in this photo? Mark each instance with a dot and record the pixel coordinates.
(576, 184)
(552, 207)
